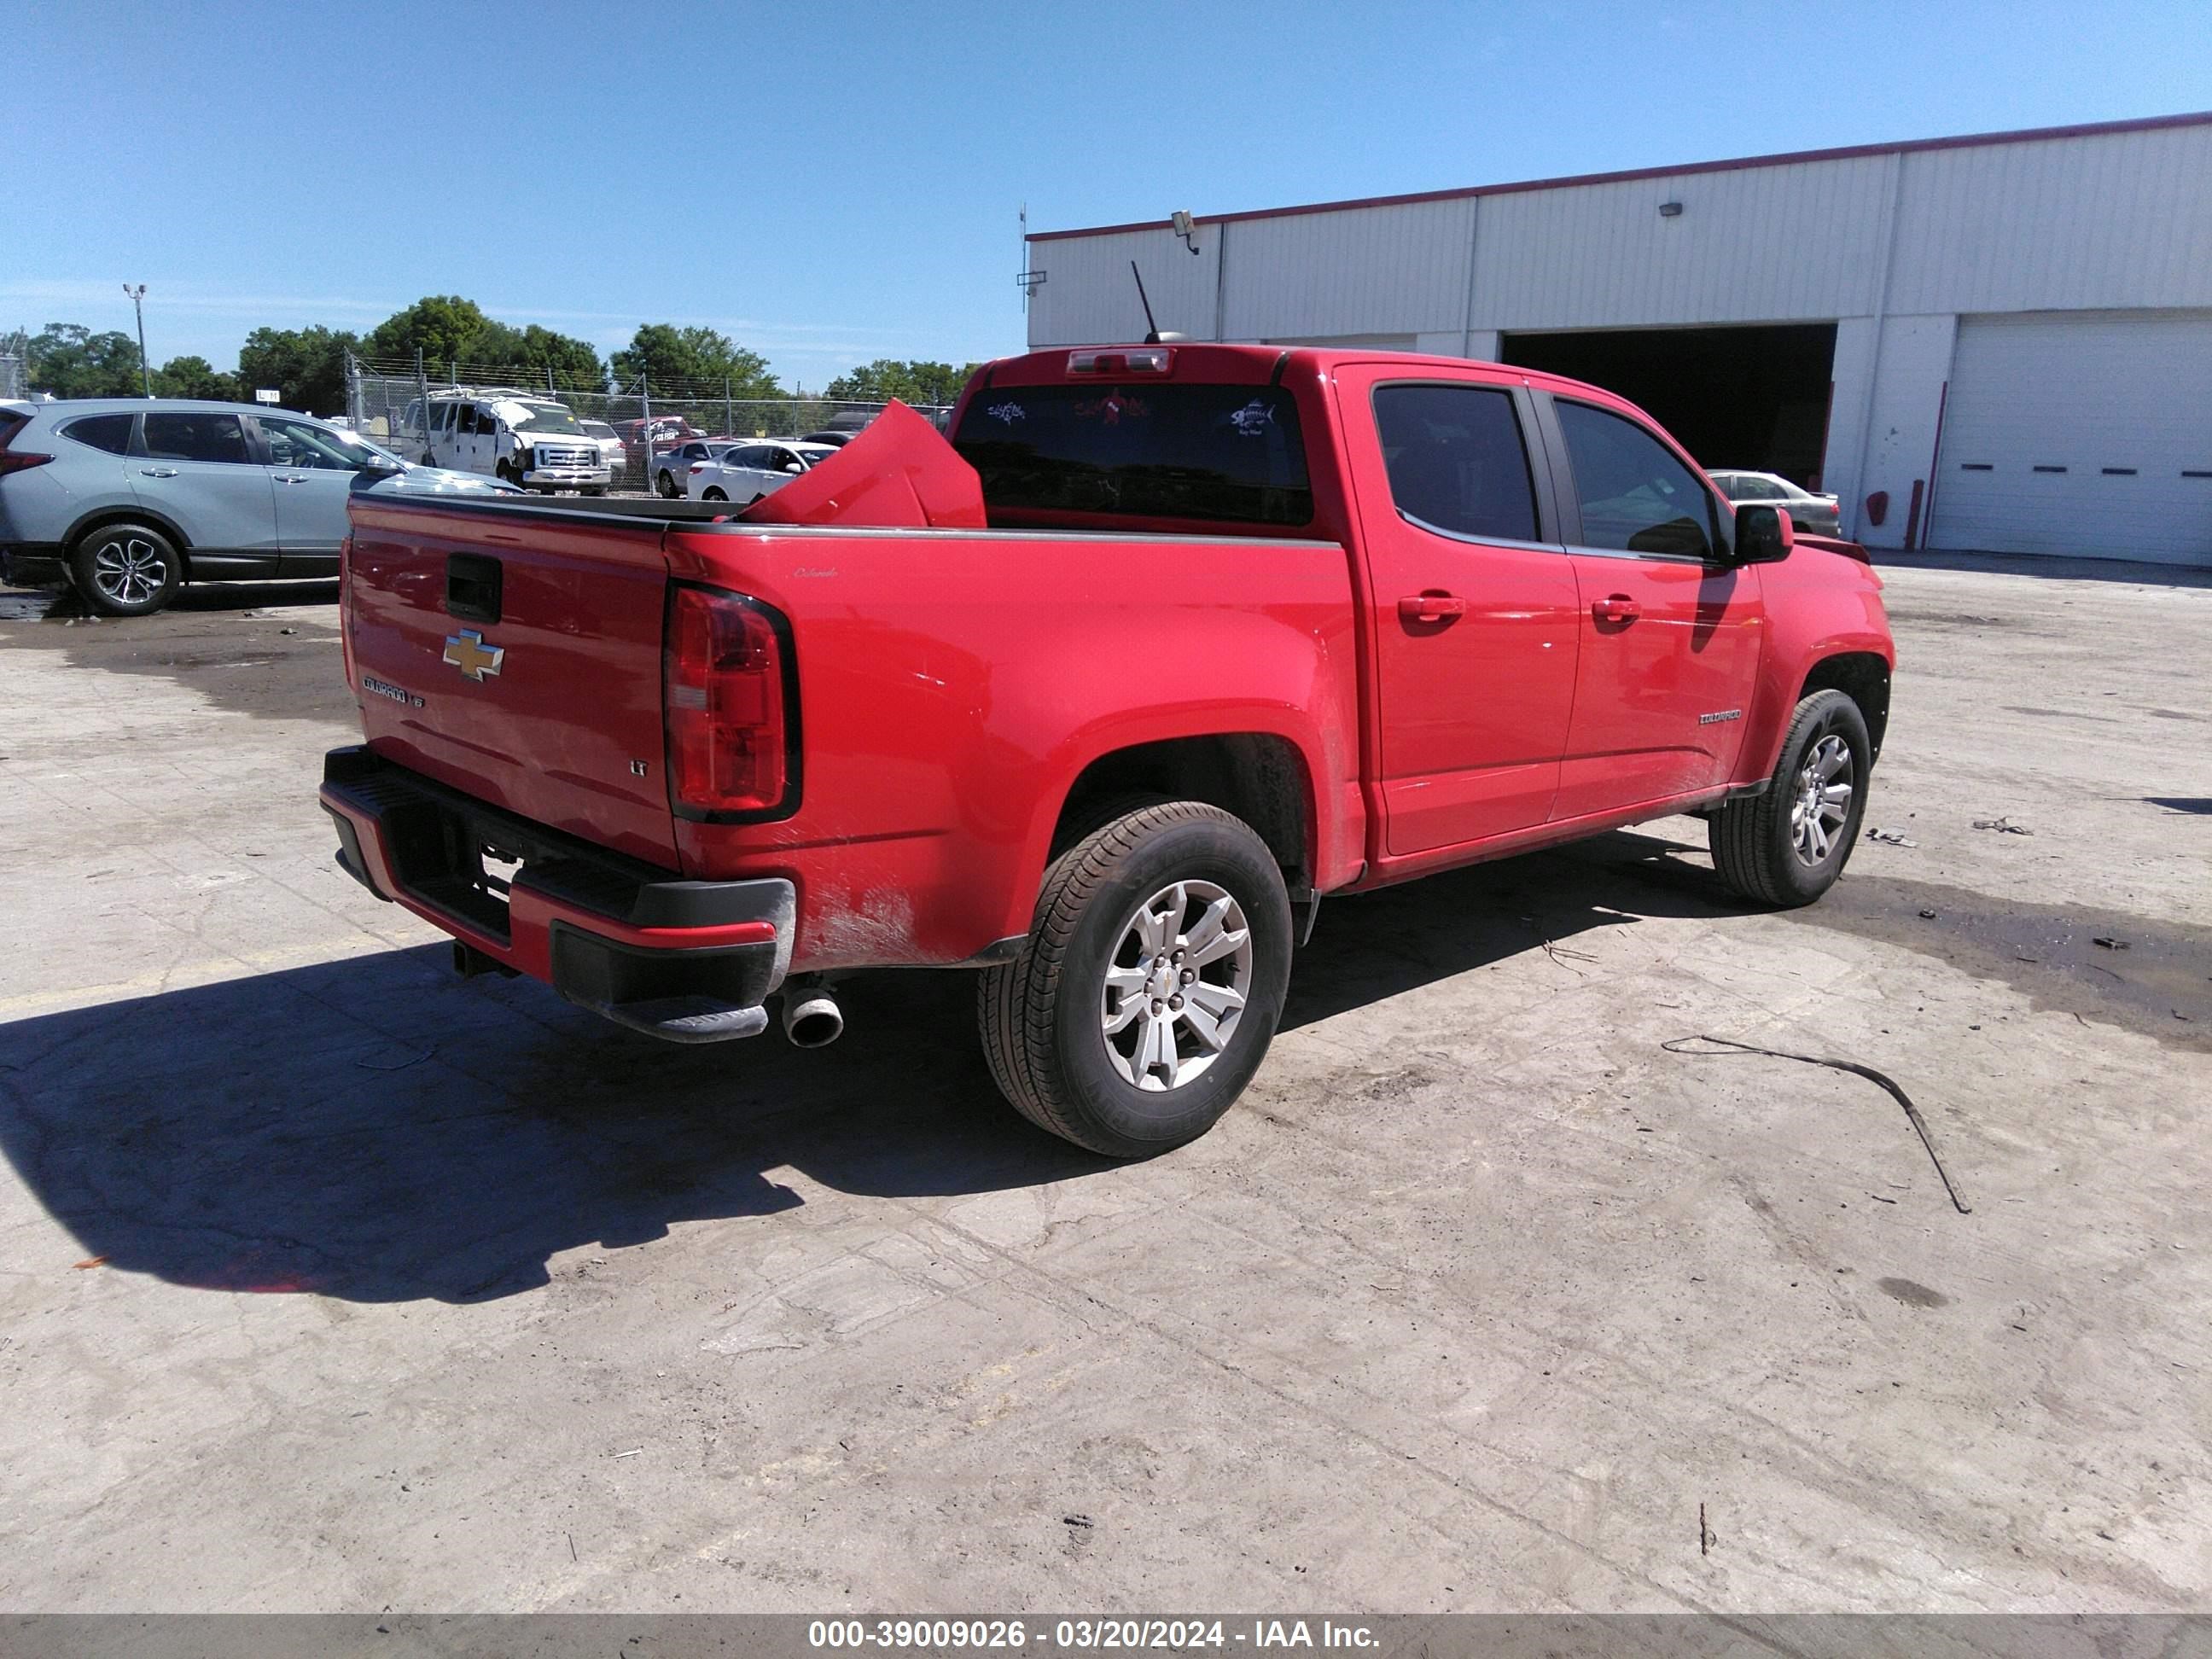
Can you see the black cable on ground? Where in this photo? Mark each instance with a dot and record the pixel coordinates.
(1723, 1047)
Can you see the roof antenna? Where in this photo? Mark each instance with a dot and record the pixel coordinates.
(1154, 336)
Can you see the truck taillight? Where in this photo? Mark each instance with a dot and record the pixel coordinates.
(729, 732)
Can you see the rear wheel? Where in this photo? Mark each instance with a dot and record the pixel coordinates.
(126, 569)
(665, 483)
(1149, 989)
(712, 495)
(1787, 846)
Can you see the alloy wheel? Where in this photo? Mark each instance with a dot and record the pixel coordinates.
(129, 570)
(1823, 801)
(1177, 985)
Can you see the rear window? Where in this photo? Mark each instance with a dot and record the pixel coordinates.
(109, 432)
(1230, 452)
(195, 435)
(1456, 461)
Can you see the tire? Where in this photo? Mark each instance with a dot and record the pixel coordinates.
(712, 495)
(1151, 879)
(664, 486)
(1762, 845)
(506, 474)
(126, 569)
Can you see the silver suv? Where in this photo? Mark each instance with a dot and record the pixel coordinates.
(129, 499)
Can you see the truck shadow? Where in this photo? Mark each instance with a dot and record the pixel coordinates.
(376, 1130)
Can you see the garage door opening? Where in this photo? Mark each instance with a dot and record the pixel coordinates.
(1755, 399)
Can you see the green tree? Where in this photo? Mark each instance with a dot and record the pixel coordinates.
(444, 328)
(452, 332)
(195, 377)
(913, 382)
(69, 361)
(306, 367)
(576, 363)
(667, 353)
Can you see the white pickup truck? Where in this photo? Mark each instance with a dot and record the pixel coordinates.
(526, 438)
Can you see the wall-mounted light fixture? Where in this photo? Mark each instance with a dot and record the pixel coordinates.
(1670, 209)
(1183, 227)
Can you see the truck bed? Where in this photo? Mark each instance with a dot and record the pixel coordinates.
(945, 686)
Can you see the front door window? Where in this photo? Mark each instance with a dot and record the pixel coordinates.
(1636, 494)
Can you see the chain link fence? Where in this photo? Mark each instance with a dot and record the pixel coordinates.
(649, 415)
(15, 376)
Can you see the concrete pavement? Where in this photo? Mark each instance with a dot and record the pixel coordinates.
(328, 1281)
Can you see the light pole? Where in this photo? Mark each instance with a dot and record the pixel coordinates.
(145, 369)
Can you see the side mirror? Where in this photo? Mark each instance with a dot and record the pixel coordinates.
(380, 466)
(1764, 535)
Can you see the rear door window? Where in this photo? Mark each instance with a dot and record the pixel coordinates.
(109, 432)
(1231, 452)
(1456, 460)
(1636, 494)
(195, 435)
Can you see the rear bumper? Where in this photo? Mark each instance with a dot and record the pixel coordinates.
(34, 564)
(686, 961)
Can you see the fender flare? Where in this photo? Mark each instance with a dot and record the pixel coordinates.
(1777, 695)
(92, 518)
(1081, 750)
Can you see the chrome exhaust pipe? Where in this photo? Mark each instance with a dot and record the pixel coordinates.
(812, 1018)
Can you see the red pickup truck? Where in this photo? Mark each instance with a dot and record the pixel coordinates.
(1101, 699)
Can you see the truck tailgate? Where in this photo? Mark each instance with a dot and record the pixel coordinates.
(516, 657)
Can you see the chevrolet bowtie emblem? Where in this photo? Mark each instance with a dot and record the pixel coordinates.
(467, 652)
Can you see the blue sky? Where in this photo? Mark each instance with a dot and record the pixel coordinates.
(833, 182)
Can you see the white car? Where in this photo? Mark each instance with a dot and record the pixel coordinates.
(749, 471)
(1815, 514)
(609, 442)
(669, 465)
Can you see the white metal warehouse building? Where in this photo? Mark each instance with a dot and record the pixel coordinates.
(1999, 344)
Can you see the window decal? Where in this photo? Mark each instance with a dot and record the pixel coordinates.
(1253, 420)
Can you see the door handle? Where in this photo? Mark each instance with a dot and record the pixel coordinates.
(291, 477)
(1431, 607)
(159, 471)
(1616, 608)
